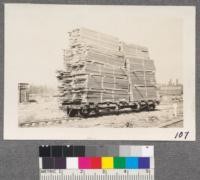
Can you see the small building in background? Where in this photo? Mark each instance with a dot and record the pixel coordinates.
(170, 91)
(23, 89)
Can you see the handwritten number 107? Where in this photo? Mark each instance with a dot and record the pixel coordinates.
(181, 134)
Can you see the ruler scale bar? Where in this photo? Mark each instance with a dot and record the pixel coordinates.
(99, 177)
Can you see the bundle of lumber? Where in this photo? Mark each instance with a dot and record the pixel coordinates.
(96, 40)
(102, 80)
(141, 73)
(99, 68)
(134, 51)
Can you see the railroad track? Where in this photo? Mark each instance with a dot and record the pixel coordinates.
(170, 123)
(63, 120)
(55, 121)
(47, 122)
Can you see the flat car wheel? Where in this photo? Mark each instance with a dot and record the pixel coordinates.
(72, 112)
(85, 112)
(151, 107)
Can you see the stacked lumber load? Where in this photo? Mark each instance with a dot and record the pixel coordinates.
(94, 69)
(99, 68)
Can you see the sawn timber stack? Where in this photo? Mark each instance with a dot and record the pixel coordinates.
(101, 72)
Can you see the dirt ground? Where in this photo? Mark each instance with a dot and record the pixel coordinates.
(46, 113)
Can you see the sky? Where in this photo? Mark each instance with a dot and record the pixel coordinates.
(35, 36)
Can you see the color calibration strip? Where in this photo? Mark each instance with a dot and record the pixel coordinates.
(79, 162)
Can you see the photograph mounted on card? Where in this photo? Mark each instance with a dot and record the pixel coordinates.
(73, 72)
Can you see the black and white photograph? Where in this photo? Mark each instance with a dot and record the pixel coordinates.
(99, 72)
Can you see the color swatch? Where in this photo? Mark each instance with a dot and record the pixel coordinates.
(107, 163)
(96, 157)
